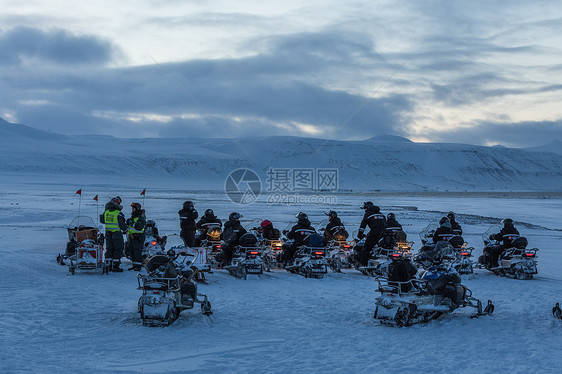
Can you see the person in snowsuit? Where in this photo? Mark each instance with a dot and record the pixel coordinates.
(444, 230)
(115, 227)
(505, 236)
(232, 233)
(188, 215)
(298, 234)
(455, 226)
(335, 230)
(377, 224)
(401, 270)
(209, 219)
(267, 231)
(448, 285)
(394, 227)
(135, 239)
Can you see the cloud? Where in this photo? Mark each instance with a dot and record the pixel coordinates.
(57, 46)
(273, 93)
(519, 134)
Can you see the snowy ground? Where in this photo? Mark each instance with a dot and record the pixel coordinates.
(275, 323)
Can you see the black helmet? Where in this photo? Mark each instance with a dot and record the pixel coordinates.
(331, 214)
(136, 206)
(507, 222)
(209, 213)
(367, 205)
(234, 216)
(187, 204)
(444, 221)
(301, 216)
(391, 216)
(451, 216)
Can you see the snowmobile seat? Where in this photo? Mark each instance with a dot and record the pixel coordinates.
(456, 241)
(520, 243)
(248, 240)
(314, 241)
(156, 261)
(400, 236)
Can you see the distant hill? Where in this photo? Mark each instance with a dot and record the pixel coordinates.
(554, 146)
(388, 163)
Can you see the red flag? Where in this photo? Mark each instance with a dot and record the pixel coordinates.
(79, 192)
(143, 192)
(96, 197)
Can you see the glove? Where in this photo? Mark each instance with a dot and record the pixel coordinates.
(285, 232)
(492, 237)
(360, 235)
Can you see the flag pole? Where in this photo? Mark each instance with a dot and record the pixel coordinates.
(79, 192)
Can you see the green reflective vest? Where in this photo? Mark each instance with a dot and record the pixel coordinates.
(110, 218)
(132, 228)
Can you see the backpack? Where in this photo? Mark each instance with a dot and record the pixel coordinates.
(314, 240)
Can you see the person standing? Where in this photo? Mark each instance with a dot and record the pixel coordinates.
(135, 242)
(115, 227)
(188, 215)
(376, 223)
(233, 231)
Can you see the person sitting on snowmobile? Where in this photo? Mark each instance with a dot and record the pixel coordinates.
(444, 230)
(267, 231)
(377, 224)
(115, 227)
(209, 219)
(135, 240)
(298, 234)
(455, 226)
(506, 236)
(188, 215)
(232, 233)
(395, 227)
(449, 286)
(335, 230)
(401, 270)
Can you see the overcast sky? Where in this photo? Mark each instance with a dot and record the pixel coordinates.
(479, 72)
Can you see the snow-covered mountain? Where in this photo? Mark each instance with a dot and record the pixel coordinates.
(380, 163)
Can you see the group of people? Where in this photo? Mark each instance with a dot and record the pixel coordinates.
(115, 227)
(383, 231)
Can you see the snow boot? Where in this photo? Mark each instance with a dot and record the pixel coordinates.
(116, 268)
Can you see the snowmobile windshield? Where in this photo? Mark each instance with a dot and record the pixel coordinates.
(494, 229)
(427, 234)
(174, 241)
(253, 224)
(82, 221)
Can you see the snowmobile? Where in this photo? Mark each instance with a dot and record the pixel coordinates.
(405, 303)
(310, 259)
(153, 243)
(272, 249)
(556, 311)
(338, 250)
(514, 262)
(463, 263)
(84, 249)
(247, 257)
(212, 243)
(382, 254)
(338, 254)
(168, 288)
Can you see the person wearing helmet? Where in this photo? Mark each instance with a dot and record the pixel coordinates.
(444, 231)
(232, 233)
(455, 226)
(115, 227)
(188, 215)
(209, 219)
(376, 221)
(135, 239)
(505, 236)
(297, 234)
(391, 223)
(268, 231)
(335, 230)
